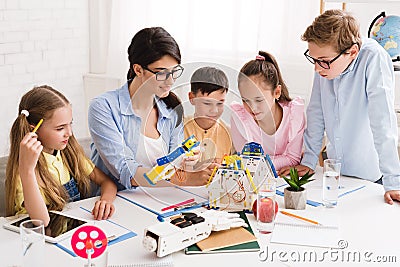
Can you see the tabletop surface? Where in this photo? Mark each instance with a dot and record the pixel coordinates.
(368, 227)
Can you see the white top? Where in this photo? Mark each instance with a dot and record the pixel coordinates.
(149, 150)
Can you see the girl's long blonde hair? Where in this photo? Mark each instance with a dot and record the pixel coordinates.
(41, 102)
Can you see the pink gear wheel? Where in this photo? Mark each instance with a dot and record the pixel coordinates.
(86, 237)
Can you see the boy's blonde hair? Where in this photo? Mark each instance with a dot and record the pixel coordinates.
(41, 102)
(336, 28)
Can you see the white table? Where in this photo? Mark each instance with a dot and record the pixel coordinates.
(370, 227)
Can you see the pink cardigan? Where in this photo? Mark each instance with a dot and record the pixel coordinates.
(285, 146)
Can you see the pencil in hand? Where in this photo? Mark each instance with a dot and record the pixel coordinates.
(37, 126)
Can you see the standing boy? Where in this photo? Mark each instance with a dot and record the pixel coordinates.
(209, 87)
(352, 100)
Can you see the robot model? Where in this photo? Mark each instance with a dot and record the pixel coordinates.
(233, 185)
(165, 167)
(187, 229)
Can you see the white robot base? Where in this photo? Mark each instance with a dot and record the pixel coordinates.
(167, 237)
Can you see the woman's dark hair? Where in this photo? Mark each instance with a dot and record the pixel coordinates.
(267, 67)
(149, 45)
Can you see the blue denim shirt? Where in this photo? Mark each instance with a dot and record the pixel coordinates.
(115, 130)
(356, 109)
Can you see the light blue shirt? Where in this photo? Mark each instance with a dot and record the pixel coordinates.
(356, 109)
(115, 130)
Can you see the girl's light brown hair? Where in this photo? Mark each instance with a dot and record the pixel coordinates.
(336, 28)
(268, 69)
(41, 102)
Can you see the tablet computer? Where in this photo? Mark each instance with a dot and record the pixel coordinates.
(60, 226)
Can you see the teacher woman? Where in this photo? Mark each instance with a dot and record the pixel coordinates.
(141, 121)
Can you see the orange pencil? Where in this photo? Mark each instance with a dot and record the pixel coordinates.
(299, 217)
(37, 126)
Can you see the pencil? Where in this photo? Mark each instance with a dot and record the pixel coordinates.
(177, 205)
(37, 126)
(299, 217)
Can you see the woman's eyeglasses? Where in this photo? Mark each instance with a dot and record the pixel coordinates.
(164, 74)
(324, 63)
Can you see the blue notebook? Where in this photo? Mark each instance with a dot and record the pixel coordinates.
(154, 199)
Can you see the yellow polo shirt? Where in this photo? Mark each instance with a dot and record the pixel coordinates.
(214, 142)
(58, 171)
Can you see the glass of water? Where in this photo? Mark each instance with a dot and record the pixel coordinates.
(266, 209)
(330, 182)
(32, 239)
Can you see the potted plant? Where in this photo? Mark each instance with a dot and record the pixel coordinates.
(295, 195)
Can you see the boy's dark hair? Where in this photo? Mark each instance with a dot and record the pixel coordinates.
(207, 80)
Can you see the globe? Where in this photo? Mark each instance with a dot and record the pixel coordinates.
(386, 31)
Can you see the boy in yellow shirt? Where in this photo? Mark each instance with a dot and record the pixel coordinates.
(209, 87)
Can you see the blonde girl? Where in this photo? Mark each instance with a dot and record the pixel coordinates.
(47, 169)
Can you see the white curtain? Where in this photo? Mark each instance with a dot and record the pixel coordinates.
(228, 32)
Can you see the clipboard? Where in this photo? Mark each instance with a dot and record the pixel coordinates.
(154, 199)
(110, 227)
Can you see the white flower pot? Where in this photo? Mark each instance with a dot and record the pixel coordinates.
(296, 200)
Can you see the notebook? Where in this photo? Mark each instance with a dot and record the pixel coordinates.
(233, 240)
(109, 227)
(124, 255)
(154, 199)
(289, 230)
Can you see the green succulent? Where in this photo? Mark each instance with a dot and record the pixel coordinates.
(295, 183)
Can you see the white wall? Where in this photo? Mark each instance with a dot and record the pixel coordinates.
(42, 42)
(47, 42)
(279, 18)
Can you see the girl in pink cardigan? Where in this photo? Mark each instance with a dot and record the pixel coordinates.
(268, 115)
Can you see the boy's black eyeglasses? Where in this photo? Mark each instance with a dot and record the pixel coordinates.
(323, 63)
(164, 74)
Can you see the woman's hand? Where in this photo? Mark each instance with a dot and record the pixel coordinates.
(103, 210)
